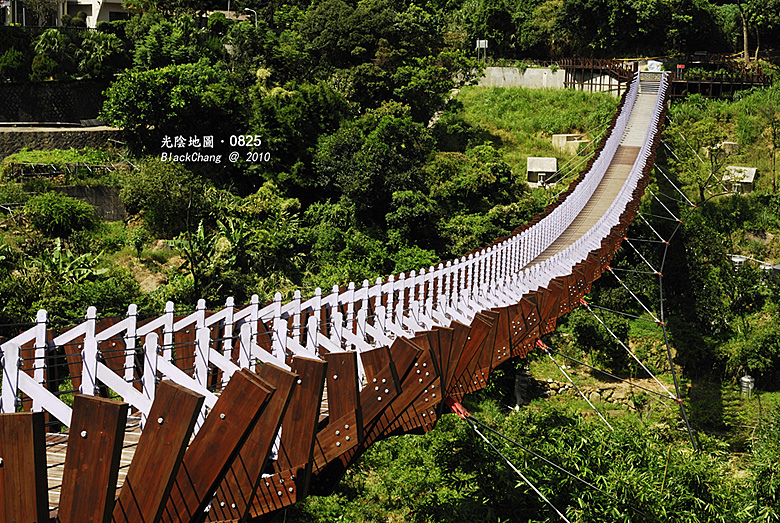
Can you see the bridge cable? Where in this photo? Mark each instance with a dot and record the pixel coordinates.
(651, 391)
(642, 256)
(626, 314)
(546, 350)
(646, 240)
(587, 306)
(653, 229)
(668, 347)
(525, 479)
(663, 204)
(674, 186)
(632, 294)
(672, 219)
(511, 441)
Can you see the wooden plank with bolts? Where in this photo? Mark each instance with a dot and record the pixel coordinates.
(92, 460)
(159, 454)
(300, 421)
(236, 492)
(343, 390)
(23, 487)
(214, 449)
(374, 361)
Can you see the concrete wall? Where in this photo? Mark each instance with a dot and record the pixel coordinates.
(104, 199)
(13, 139)
(531, 78)
(544, 77)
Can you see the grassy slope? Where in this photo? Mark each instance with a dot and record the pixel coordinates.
(524, 120)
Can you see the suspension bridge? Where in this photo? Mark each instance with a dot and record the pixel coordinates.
(232, 414)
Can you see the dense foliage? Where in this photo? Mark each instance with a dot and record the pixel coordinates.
(358, 160)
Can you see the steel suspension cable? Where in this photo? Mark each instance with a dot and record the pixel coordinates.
(668, 347)
(642, 256)
(552, 463)
(632, 293)
(627, 349)
(525, 479)
(575, 360)
(546, 350)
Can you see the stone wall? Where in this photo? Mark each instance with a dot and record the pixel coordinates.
(14, 139)
(620, 393)
(65, 101)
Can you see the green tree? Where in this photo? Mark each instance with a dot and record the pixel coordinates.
(370, 158)
(99, 55)
(699, 154)
(186, 100)
(169, 198)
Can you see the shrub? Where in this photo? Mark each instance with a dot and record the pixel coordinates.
(167, 195)
(55, 214)
(13, 66)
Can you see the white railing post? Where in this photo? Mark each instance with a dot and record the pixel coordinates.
(349, 324)
(168, 331)
(390, 300)
(336, 317)
(227, 330)
(296, 317)
(89, 356)
(313, 323)
(245, 346)
(379, 309)
(130, 340)
(362, 315)
(254, 328)
(202, 342)
(39, 365)
(11, 363)
(279, 341)
(149, 378)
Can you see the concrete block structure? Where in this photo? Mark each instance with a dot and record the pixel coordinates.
(739, 179)
(568, 143)
(540, 169)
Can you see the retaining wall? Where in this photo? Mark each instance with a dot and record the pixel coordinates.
(14, 139)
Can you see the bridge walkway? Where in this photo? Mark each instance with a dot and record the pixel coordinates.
(616, 175)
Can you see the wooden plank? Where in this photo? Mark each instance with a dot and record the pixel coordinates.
(502, 346)
(442, 350)
(459, 338)
(158, 455)
(343, 390)
(92, 461)
(236, 492)
(374, 361)
(277, 491)
(213, 450)
(335, 439)
(478, 331)
(23, 482)
(299, 424)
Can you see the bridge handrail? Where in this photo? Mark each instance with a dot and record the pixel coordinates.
(356, 318)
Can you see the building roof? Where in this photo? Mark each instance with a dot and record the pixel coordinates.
(739, 174)
(542, 164)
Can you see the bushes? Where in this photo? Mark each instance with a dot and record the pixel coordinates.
(54, 214)
(167, 194)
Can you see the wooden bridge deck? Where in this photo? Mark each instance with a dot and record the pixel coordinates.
(613, 180)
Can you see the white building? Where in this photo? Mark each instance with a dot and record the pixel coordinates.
(97, 10)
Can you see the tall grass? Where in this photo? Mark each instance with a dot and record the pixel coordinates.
(524, 120)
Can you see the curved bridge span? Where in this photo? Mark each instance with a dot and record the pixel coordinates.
(232, 414)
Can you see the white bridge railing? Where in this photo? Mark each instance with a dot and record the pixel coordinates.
(203, 349)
